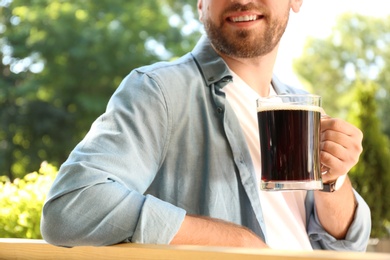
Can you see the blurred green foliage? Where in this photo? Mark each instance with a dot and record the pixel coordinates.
(62, 60)
(21, 203)
(371, 176)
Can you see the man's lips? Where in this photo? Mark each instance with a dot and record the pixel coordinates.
(244, 18)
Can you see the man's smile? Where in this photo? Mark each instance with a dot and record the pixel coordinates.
(244, 18)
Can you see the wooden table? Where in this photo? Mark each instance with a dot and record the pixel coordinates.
(39, 249)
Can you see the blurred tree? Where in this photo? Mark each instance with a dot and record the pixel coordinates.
(371, 176)
(8, 112)
(62, 60)
(358, 47)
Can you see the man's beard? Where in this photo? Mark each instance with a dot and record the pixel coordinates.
(245, 43)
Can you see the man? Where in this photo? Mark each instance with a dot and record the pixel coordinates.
(172, 160)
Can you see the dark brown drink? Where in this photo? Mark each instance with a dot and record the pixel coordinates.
(289, 144)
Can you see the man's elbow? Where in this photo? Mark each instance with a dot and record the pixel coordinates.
(60, 225)
(68, 225)
(54, 229)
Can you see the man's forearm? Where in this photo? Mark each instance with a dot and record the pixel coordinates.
(336, 210)
(197, 230)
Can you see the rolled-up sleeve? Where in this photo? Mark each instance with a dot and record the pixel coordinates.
(98, 197)
(155, 213)
(357, 236)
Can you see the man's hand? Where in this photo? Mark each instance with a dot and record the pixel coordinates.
(341, 146)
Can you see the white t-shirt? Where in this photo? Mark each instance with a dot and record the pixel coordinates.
(284, 211)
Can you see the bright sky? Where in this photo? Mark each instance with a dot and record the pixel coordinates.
(316, 18)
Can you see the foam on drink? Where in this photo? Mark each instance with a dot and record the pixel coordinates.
(286, 106)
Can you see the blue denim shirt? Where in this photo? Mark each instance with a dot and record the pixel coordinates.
(168, 145)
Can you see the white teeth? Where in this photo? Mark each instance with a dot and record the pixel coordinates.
(245, 18)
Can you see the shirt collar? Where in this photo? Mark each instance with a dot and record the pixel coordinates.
(212, 66)
(279, 87)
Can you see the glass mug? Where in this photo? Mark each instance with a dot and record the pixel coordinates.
(289, 129)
